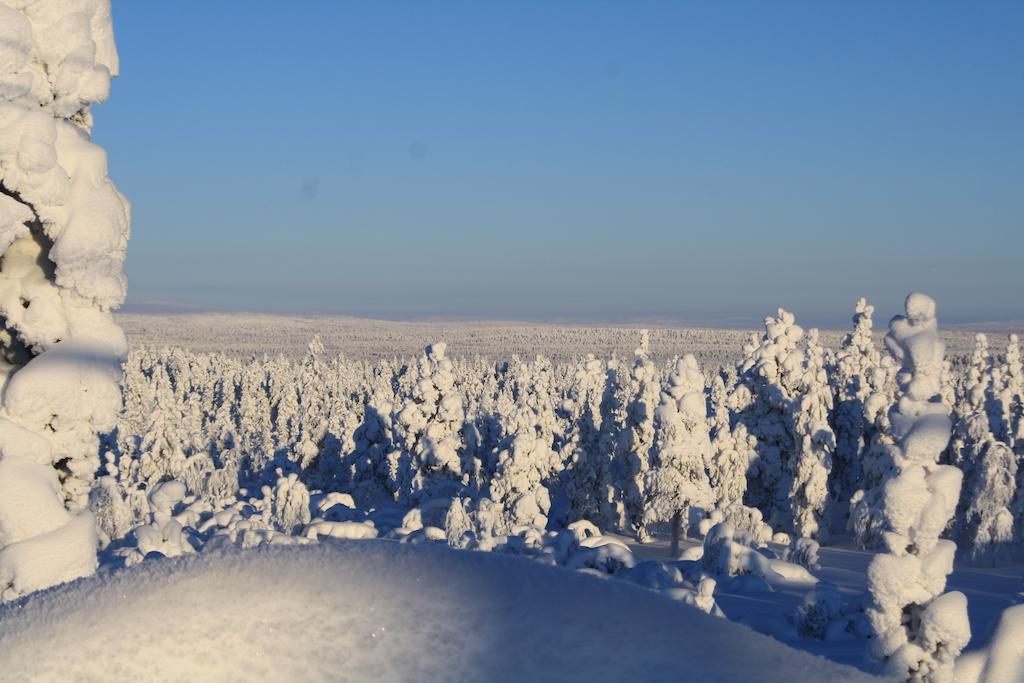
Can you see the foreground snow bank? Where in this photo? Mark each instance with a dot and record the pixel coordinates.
(376, 610)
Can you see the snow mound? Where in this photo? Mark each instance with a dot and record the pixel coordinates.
(376, 610)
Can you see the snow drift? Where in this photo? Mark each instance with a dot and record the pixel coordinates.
(374, 610)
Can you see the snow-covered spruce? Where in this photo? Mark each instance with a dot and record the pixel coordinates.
(1010, 397)
(919, 630)
(583, 409)
(428, 431)
(984, 518)
(768, 378)
(986, 526)
(63, 232)
(860, 380)
(810, 465)
(526, 461)
(784, 400)
(678, 480)
(636, 439)
(732, 449)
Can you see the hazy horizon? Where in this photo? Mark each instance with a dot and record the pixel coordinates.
(166, 308)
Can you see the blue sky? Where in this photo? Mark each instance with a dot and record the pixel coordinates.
(687, 162)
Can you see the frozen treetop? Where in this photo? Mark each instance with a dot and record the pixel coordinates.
(920, 419)
(58, 55)
(644, 350)
(436, 351)
(56, 59)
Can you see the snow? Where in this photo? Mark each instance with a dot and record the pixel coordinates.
(64, 231)
(242, 335)
(549, 458)
(1003, 660)
(375, 610)
(918, 501)
(46, 559)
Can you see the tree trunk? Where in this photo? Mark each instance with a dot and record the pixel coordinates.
(677, 532)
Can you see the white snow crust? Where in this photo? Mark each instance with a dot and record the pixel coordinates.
(381, 611)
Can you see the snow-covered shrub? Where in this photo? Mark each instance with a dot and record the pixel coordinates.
(289, 503)
(919, 630)
(746, 523)
(729, 556)
(109, 508)
(356, 531)
(727, 553)
(63, 233)
(164, 534)
(819, 610)
(804, 552)
(458, 525)
(601, 553)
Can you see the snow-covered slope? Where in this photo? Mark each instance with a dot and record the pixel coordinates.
(376, 610)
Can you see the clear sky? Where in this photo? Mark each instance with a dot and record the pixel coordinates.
(693, 162)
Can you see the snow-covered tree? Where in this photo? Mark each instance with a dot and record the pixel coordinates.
(858, 362)
(919, 630)
(678, 477)
(986, 529)
(637, 438)
(581, 451)
(289, 502)
(732, 449)
(973, 425)
(768, 385)
(810, 465)
(526, 461)
(784, 399)
(63, 233)
(1010, 396)
(610, 463)
(428, 428)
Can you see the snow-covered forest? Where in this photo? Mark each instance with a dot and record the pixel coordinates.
(793, 431)
(757, 467)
